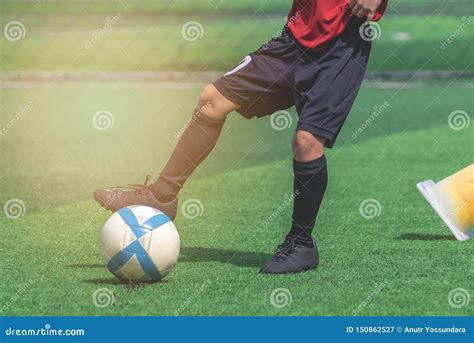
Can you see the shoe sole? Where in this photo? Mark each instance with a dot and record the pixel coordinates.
(103, 204)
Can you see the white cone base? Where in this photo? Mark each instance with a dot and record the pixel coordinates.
(425, 189)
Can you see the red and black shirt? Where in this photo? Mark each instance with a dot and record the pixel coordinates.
(314, 22)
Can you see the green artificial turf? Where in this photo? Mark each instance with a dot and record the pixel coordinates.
(402, 262)
(420, 7)
(119, 41)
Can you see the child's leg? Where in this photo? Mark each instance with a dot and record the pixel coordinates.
(326, 84)
(310, 182)
(197, 141)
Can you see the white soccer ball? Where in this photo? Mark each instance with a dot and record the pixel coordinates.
(140, 243)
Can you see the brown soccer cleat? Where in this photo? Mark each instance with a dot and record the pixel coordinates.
(115, 198)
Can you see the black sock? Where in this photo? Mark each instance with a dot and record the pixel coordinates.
(310, 182)
(197, 141)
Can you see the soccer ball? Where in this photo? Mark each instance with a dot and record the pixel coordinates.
(140, 243)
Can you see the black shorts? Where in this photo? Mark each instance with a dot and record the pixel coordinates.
(283, 73)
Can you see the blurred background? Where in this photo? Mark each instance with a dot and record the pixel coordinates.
(97, 35)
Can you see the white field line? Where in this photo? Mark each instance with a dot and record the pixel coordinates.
(202, 76)
(191, 85)
(185, 80)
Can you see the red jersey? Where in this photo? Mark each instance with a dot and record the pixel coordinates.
(314, 22)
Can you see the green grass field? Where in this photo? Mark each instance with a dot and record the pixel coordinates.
(403, 262)
(62, 39)
(422, 7)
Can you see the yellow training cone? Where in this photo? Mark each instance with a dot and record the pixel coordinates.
(453, 200)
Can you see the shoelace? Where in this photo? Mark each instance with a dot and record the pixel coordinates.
(138, 188)
(285, 249)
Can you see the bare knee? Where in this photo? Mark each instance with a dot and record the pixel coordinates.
(213, 104)
(307, 147)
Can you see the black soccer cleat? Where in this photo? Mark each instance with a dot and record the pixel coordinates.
(292, 256)
(115, 198)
